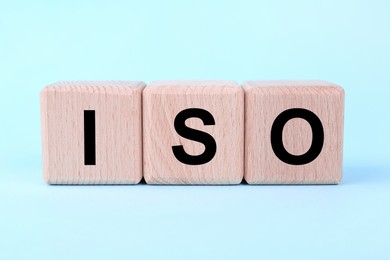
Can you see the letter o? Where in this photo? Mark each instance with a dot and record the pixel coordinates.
(277, 136)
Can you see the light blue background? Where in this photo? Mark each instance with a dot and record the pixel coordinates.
(346, 42)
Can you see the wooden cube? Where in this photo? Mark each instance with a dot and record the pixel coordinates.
(293, 132)
(193, 132)
(92, 132)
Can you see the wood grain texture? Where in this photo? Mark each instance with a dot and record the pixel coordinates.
(162, 101)
(118, 113)
(264, 101)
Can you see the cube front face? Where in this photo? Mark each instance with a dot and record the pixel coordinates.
(300, 135)
(92, 132)
(171, 110)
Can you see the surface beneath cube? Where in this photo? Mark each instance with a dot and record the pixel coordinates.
(92, 132)
(163, 101)
(264, 102)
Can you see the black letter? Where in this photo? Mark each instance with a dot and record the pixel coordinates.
(196, 135)
(89, 138)
(277, 131)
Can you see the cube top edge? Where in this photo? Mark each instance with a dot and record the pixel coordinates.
(193, 83)
(96, 87)
(207, 87)
(289, 86)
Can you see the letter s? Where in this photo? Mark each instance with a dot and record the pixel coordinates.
(196, 135)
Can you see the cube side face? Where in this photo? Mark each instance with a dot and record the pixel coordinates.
(162, 105)
(118, 134)
(45, 135)
(264, 104)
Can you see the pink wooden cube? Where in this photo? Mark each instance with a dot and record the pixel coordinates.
(293, 132)
(193, 132)
(92, 132)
